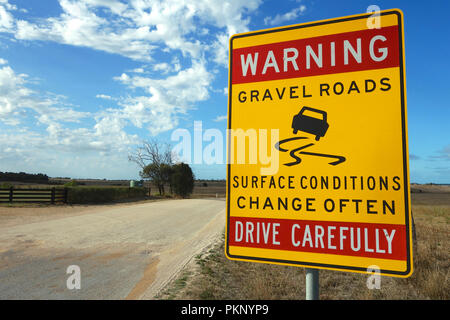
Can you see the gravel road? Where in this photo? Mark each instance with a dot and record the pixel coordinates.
(123, 252)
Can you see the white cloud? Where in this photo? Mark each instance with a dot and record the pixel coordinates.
(16, 98)
(443, 154)
(191, 36)
(229, 15)
(80, 25)
(167, 98)
(6, 18)
(163, 67)
(138, 70)
(220, 118)
(115, 6)
(58, 153)
(282, 18)
(58, 141)
(8, 5)
(151, 112)
(220, 48)
(104, 96)
(138, 28)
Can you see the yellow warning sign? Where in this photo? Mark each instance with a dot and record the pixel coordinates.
(317, 172)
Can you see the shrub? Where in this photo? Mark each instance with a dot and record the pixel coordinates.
(24, 177)
(71, 183)
(103, 194)
(182, 180)
(5, 185)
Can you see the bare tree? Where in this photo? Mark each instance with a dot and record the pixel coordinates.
(154, 158)
(152, 151)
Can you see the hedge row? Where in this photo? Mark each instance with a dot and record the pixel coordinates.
(24, 177)
(103, 194)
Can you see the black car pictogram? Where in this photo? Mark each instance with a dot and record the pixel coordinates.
(315, 126)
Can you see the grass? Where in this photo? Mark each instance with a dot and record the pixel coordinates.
(177, 285)
(216, 277)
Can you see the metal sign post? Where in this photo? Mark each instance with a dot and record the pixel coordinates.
(312, 284)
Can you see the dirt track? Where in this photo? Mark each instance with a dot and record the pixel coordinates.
(127, 251)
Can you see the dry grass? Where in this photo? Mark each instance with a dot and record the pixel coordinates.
(215, 277)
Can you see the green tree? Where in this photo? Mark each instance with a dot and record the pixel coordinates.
(153, 173)
(166, 171)
(182, 179)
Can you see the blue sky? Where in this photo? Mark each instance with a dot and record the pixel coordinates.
(82, 83)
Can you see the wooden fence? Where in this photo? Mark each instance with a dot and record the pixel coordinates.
(52, 195)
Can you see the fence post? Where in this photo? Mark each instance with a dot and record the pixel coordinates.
(53, 195)
(66, 191)
(11, 194)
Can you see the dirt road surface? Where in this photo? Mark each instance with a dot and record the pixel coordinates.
(124, 251)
